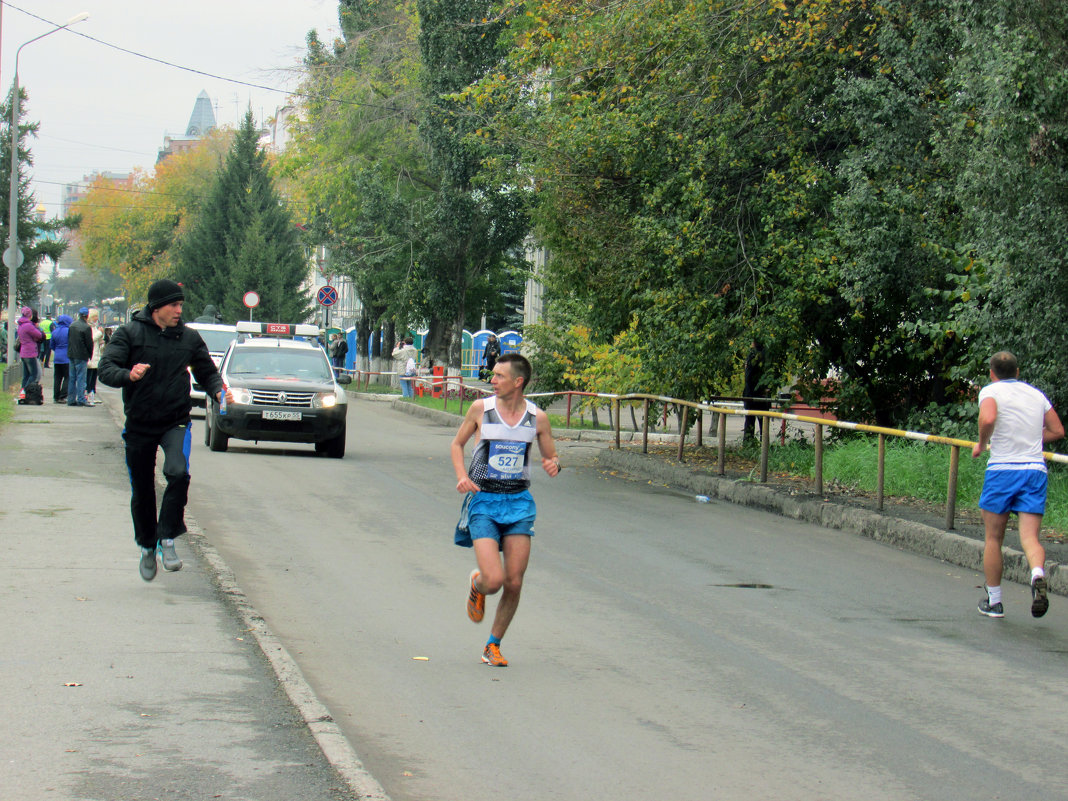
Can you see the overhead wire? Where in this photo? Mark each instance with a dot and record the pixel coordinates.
(164, 62)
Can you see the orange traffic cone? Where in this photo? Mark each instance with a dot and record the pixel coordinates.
(22, 395)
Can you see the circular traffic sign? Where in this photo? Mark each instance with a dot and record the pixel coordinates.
(251, 299)
(13, 257)
(327, 295)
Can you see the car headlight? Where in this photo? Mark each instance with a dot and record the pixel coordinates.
(241, 395)
(325, 400)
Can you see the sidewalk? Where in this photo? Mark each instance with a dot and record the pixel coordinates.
(121, 690)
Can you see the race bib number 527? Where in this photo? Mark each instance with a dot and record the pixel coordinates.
(506, 460)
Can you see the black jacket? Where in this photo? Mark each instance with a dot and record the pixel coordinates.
(160, 400)
(80, 341)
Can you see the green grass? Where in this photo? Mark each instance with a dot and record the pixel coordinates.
(8, 401)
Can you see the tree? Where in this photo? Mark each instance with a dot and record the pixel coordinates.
(244, 239)
(33, 238)
(1007, 144)
(358, 159)
(478, 222)
(133, 230)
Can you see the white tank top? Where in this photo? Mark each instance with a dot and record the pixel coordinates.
(501, 460)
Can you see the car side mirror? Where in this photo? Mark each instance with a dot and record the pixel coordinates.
(344, 378)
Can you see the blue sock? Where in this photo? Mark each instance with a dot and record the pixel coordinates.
(493, 640)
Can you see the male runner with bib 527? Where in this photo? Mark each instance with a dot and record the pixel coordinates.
(501, 510)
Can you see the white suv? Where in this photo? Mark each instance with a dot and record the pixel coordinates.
(283, 389)
(218, 338)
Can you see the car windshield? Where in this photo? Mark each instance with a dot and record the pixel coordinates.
(302, 365)
(217, 341)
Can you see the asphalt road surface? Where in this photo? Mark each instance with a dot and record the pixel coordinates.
(663, 649)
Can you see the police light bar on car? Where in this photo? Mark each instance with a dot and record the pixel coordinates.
(278, 329)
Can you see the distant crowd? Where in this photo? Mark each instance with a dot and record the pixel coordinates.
(68, 346)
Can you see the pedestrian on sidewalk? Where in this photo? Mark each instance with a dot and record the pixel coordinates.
(148, 358)
(29, 338)
(94, 360)
(79, 351)
(46, 344)
(404, 357)
(500, 510)
(1016, 420)
(61, 363)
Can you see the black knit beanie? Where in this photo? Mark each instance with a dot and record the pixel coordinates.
(163, 292)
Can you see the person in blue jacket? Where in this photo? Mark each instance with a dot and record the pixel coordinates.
(60, 359)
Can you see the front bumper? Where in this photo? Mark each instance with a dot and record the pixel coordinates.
(314, 425)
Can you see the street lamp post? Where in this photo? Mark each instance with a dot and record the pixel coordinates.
(13, 257)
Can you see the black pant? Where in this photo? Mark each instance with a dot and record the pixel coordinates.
(141, 462)
(748, 427)
(59, 382)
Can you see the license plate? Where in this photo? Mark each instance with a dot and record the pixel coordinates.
(270, 414)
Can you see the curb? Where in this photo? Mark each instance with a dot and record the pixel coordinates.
(904, 534)
(332, 742)
(336, 748)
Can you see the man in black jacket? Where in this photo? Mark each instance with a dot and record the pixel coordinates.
(79, 352)
(148, 358)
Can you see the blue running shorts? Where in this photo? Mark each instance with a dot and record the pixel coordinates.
(497, 515)
(1016, 489)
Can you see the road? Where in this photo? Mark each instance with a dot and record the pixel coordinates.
(663, 648)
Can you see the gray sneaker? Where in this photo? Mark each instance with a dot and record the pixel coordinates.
(148, 563)
(169, 556)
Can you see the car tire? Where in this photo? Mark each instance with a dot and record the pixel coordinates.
(217, 439)
(207, 426)
(335, 448)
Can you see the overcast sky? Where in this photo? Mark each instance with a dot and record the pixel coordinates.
(103, 109)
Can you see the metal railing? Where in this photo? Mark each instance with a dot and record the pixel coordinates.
(820, 423)
(686, 408)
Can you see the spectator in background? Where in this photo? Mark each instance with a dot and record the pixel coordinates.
(46, 344)
(3, 342)
(404, 359)
(94, 360)
(29, 336)
(79, 350)
(489, 357)
(61, 372)
(339, 350)
(754, 388)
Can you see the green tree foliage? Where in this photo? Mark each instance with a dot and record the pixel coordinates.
(87, 288)
(1007, 145)
(36, 238)
(133, 230)
(358, 159)
(876, 191)
(392, 165)
(244, 239)
(873, 190)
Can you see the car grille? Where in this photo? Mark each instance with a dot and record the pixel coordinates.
(263, 397)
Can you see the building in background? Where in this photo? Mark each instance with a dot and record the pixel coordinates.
(201, 122)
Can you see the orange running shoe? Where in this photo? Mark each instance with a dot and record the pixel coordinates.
(476, 601)
(492, 656)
